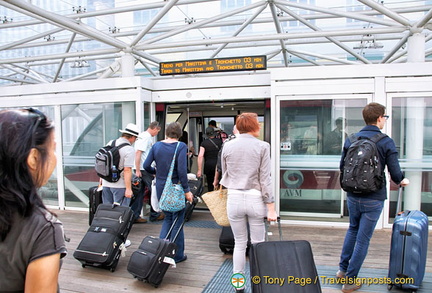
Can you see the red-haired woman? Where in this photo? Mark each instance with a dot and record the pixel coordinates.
(246, 173)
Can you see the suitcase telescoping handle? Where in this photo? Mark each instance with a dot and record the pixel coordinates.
(118, 204)
(172, 228)
(266, 225)
(399, 201)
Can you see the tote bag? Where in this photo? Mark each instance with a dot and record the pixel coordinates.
(173, 196)
(154, 201)
(216, 201)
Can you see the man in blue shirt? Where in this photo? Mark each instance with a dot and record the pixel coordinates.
(365, 209)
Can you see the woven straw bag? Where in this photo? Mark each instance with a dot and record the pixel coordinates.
(216, 201)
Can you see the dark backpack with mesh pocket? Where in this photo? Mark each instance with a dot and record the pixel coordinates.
(362, 172)
(107, 161)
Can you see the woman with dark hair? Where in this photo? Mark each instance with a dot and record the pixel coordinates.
(31, 238)
(162, 153)
(246, 166)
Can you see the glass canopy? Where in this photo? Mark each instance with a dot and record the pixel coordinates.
(44, 41)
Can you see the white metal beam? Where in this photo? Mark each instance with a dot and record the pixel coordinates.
(336, 12)
(62, 61)
(67, 23)
(153, 22)
(279, 31)
(35, 77)
(331, 39)
(59, 56)
(266, 37)
(402, 42)
(202, 23)
(424, 20)
(386, 11)
(240, 29)
(29, 39)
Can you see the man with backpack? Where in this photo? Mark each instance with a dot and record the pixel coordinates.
(369, 151)
(219, 133)
(121, 191)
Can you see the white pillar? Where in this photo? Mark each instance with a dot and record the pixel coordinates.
(414, 130)
(416, 48)
(127, 65)
(128, 70)
(414, 151)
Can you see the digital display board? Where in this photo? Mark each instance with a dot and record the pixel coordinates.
(213, 65)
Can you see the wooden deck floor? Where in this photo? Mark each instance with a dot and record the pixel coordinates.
(205, 257)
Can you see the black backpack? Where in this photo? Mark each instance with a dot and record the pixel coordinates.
(107, 161)
(362, 172)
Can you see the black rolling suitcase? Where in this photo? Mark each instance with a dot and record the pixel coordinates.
(104, 241)
(196, 187)
(291, 261)
(408, 248)
(226, 241)
(95, 199)
(152, 259)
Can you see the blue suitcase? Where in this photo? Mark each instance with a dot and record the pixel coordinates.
(408, 249)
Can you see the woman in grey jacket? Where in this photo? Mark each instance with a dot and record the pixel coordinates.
(246, 173)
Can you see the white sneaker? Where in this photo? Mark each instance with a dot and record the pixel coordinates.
(348, 288)
(127, 243)
(340, 274)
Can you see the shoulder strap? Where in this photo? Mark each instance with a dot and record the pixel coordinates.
(119, 146)
(213, 143)
(353, 137)
(377, 137)
(171, 170)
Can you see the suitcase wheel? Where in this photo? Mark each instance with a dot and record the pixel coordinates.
(224, 249)
(83, 265)
(112, 270)
(389, 287)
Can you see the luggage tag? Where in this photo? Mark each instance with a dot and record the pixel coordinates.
(123, 249)
(170, 260)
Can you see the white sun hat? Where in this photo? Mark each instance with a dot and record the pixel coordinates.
(131, 129)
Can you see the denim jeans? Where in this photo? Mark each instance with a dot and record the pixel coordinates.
(137, 204)
(364, 214)
(166, 225)
(243, 207)
(111, 195)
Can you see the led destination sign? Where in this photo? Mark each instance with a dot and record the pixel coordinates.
(213, 65)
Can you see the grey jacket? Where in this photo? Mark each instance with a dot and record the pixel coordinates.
(246, 165)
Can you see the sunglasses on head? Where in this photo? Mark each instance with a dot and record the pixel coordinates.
(39, 118)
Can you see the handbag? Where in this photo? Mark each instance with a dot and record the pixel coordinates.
(216, 201)
(154, 201)
(173, 196)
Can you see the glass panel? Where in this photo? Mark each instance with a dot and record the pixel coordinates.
(412, 132)
(86, 128)
(224, 123)
(147, 117)
(312, 135)
(48, 192)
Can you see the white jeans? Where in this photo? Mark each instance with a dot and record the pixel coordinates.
(245, 206)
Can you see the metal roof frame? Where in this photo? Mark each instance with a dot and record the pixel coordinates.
(159, 40)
